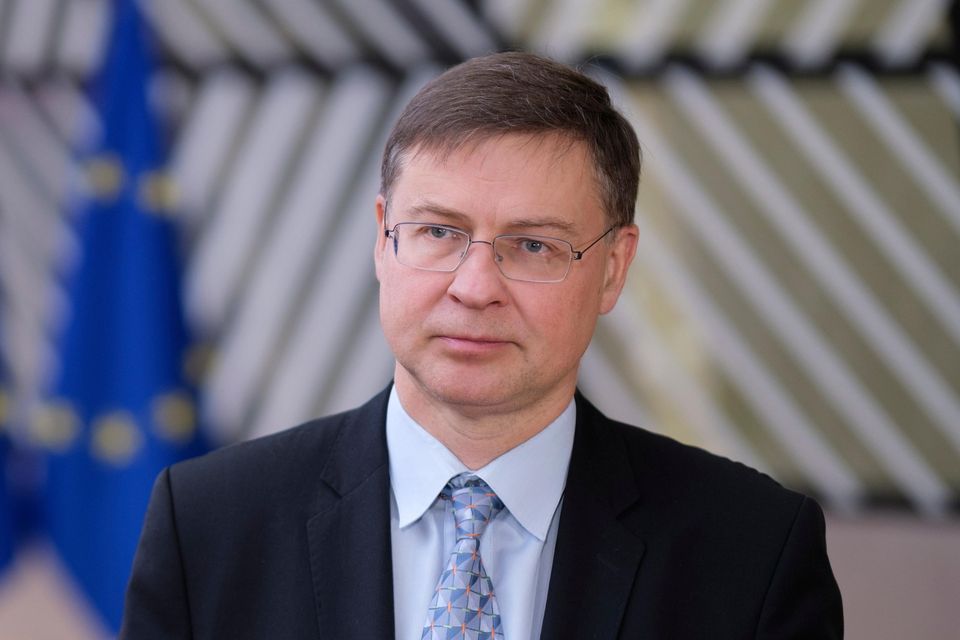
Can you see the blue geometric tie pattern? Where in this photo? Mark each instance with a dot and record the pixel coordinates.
(464, 606)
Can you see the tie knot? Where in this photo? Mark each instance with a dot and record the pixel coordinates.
(474, 504)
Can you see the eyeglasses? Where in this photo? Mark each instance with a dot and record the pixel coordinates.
(437, 247)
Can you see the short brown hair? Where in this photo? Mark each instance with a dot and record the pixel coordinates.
(516, 92)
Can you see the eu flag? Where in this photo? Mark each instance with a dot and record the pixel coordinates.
(6, 502)
(6, 508)
(121, 409)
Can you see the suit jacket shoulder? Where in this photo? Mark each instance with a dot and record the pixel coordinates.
(250, 541)
(708, 486)
(684, 544)
(291, 464)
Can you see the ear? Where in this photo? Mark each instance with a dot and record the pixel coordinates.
(381, 244)
(619, 258)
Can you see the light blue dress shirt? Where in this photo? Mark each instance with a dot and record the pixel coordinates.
(517, 546)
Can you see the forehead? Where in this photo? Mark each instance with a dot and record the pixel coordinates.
(502, 179)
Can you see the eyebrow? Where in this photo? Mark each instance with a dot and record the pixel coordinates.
(543, 223)
(430, 209)
(454, 216)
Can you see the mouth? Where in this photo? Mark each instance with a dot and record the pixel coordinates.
(472, 344)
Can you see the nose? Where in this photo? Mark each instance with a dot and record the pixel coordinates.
(477, 282)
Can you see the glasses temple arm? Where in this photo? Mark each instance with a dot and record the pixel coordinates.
(577, 255)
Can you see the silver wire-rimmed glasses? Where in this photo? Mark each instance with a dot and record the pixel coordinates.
(529, 258)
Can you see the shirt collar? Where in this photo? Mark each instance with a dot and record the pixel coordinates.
(529, 478)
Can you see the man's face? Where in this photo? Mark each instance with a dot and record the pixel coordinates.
(472, 339)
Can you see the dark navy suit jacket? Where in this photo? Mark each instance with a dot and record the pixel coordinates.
(288, 536)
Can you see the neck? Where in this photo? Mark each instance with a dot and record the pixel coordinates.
(477, 434)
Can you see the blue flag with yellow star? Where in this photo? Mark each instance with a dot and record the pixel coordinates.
(121, 409)
(6, 507)
(7, 531)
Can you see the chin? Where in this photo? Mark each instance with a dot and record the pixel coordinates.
(466, 389)
(467, 393)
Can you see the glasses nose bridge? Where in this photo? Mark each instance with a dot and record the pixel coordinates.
(470, 243)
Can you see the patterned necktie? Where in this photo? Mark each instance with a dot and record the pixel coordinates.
(464, 605)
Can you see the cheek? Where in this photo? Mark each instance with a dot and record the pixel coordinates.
(559, 318)
(405, 298)
(395, 305)
(573, 316)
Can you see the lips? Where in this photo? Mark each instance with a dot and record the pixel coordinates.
(472, 345)
(472, 338)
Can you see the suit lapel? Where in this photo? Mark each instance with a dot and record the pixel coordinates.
(596, 557)
(349, 537)
(595, 562)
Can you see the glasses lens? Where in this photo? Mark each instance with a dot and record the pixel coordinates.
(430, 246)
(533, 258)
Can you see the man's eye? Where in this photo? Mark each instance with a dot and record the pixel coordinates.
(541, 247)
(532, 246)
(438, 232)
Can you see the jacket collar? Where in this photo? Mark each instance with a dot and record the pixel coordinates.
(595, 562)
(349, 537)
(596, 557)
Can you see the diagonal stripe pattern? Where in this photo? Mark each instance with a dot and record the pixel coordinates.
(464, 605)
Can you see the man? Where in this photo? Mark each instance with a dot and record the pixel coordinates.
(480, 495)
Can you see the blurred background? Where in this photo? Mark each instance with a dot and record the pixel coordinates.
(186, 229)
